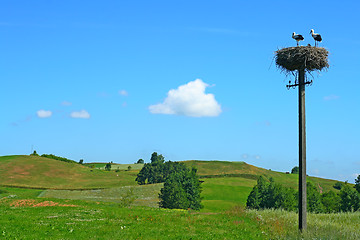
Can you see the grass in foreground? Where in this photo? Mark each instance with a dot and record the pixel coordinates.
(23, 216)
(284, 225)
(64, 219)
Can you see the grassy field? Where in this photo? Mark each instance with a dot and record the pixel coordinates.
(57, 213)
(24, 216)
(144, 195)
(40, 172)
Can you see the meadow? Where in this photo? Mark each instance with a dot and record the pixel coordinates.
(93, 206)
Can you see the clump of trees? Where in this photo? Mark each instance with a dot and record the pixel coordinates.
(140, 161)
(108, 167)
(182, 187)
(271, 195)
(268, 194)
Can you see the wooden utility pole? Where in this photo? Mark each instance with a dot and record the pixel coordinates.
(302, 146)
(302, 151)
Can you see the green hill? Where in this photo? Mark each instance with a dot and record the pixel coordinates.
(41, 172)
(225, 184)
(219, 169)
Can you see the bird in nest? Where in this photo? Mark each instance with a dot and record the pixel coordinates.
(316, 36)
(297, 37)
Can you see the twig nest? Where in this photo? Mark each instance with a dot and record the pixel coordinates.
(303, 57)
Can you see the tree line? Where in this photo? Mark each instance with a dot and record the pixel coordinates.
(268, 194)
(182, 186)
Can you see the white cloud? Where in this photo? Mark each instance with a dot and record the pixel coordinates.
(123, 93)
(43, 113)
(331, 97)
(189, 100)
(80, 114)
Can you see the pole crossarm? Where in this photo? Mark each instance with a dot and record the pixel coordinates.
(293, 86)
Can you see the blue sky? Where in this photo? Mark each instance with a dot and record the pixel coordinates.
(118, 80)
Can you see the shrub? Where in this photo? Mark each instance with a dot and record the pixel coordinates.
(108, 167)
(295, 170)
(338, 185)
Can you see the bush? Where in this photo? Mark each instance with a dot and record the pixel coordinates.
(128, 198)
(34, 154)
(350, 199)
(331, 202)
(140, 161)
(108, 167)
(295, 170)
(314, 203)
(338, 185)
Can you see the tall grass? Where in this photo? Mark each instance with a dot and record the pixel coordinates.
(284, 225)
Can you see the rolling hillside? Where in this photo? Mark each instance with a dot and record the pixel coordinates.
(40, 172)
(225, 184)
(219, 169)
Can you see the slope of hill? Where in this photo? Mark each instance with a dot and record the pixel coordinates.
(216, 169)
(40, 172)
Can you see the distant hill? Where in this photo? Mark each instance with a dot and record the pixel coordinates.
(217, 169)
(41, 172)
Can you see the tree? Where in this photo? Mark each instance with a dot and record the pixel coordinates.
(331, 202)
(81, 161)
(313, 199)
(350, 199)
(357, 183)
(108, 167)
(181, 190)
(271, 195)
(144, 174)
(295, 170)
(129, 168)
(34, 154)
(140, 161)
(158, 170)
(157, 159)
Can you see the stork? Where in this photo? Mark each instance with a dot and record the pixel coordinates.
(316, 36)
(297, 37)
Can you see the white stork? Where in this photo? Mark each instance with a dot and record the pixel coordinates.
(316, 36)
(297, 37)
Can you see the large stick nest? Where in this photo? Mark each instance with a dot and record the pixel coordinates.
(303, 57)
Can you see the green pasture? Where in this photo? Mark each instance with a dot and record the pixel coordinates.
(221, 194)
(81, 219)
(144, 195)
